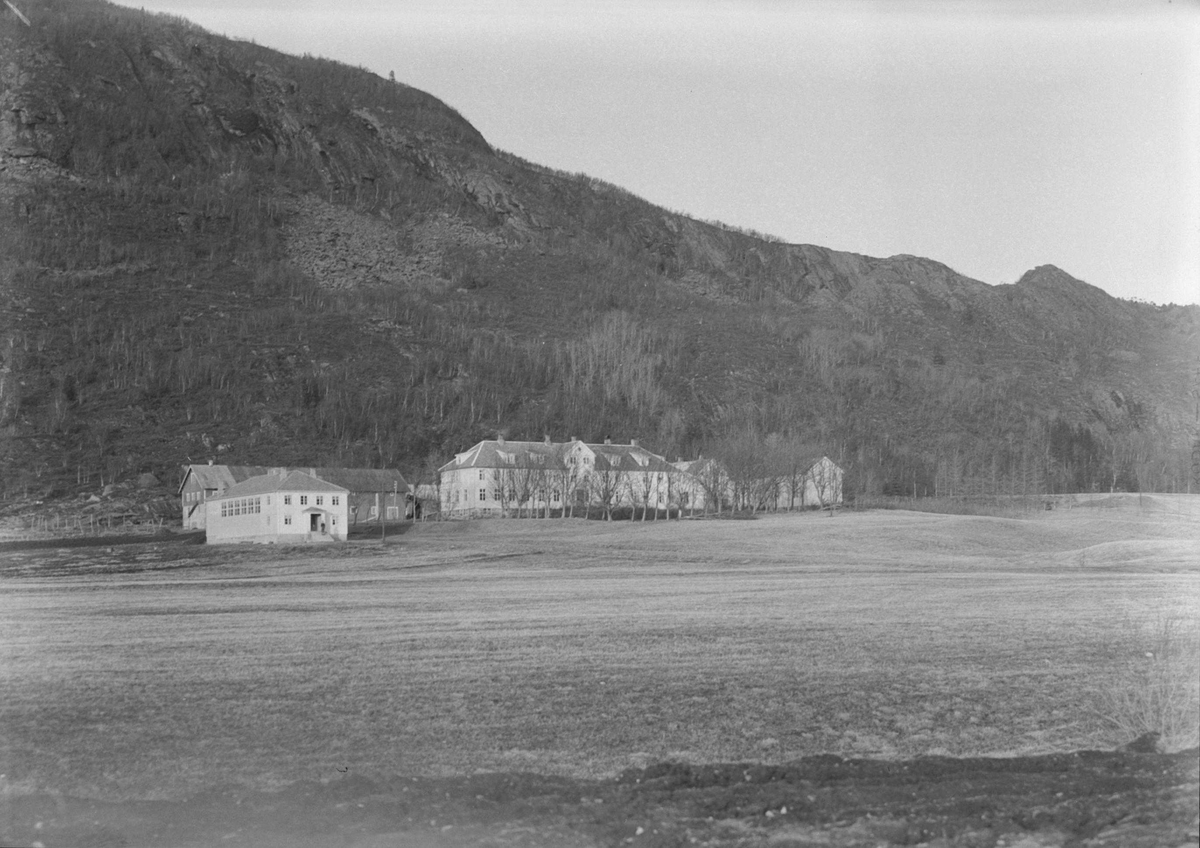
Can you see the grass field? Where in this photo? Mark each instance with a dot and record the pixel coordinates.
(583, 648)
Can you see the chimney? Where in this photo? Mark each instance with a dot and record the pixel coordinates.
(573, 439)
(633, 443)
(500, 438)
(607, 440)
(546, 438)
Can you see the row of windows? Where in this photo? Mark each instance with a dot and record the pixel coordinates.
(555, 495)
(241, 506)
(253, 506)
(287, 519)
(319, 500)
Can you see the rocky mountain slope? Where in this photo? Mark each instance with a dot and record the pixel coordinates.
(213, 250)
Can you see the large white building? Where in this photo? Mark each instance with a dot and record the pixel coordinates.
(503, 478)
(289, 507)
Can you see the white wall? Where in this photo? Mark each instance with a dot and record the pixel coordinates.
(268, 521)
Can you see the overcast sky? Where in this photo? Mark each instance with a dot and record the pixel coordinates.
(991, 136)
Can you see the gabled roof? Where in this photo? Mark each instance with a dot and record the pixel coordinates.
(809, 461)
(629, 458)
(493, 453)
(695, 467)
(363, 479)
(292, 481)
(220, 476)
(353, 479)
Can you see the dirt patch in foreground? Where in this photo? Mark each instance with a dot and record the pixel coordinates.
(1088, 798)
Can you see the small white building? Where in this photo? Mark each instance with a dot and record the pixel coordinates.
(289, 507)
(703, 485)
(376, 494)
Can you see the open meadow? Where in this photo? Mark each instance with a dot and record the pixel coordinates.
(582, 648)
(579, 649)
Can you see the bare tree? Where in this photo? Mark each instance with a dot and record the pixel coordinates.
(525, 483)
(826, 479)
(640, 485)
(714, 482)
(604, 485)
(744, 461)
(568, 478)
(506, 489)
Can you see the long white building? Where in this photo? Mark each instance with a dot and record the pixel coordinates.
(497, 477)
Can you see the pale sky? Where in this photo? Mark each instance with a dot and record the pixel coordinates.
(992, 136)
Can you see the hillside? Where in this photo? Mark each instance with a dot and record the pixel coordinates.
(213, 250)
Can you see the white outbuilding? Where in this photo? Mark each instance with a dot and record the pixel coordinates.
(289, 507)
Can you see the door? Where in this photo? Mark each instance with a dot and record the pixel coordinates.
(313, 526)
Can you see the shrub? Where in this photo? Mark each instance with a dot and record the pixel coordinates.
(1158, 687)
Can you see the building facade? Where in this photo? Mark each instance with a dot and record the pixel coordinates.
(375, 495)
(506, 478)
(289, 507)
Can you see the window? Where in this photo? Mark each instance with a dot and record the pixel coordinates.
(373, 512)
(335, 500)
(335, 521)
(482, 474)
(393, 512)
(287, 500)
(483, 494)
(224, 509)
(320, 499)
(303, 500)
(287, 519)
(554, 495)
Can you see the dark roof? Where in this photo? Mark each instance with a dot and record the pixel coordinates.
(220, 476)
(364, 479)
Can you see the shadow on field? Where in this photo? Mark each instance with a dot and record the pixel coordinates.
(1088, 798)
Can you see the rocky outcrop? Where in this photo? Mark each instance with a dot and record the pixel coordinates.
(342, 248)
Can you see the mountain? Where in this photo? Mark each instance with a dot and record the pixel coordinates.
(214, 250)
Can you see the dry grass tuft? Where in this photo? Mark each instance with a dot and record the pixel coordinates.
(1159, 684)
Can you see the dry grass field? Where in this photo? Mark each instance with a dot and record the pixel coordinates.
(583, 648)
